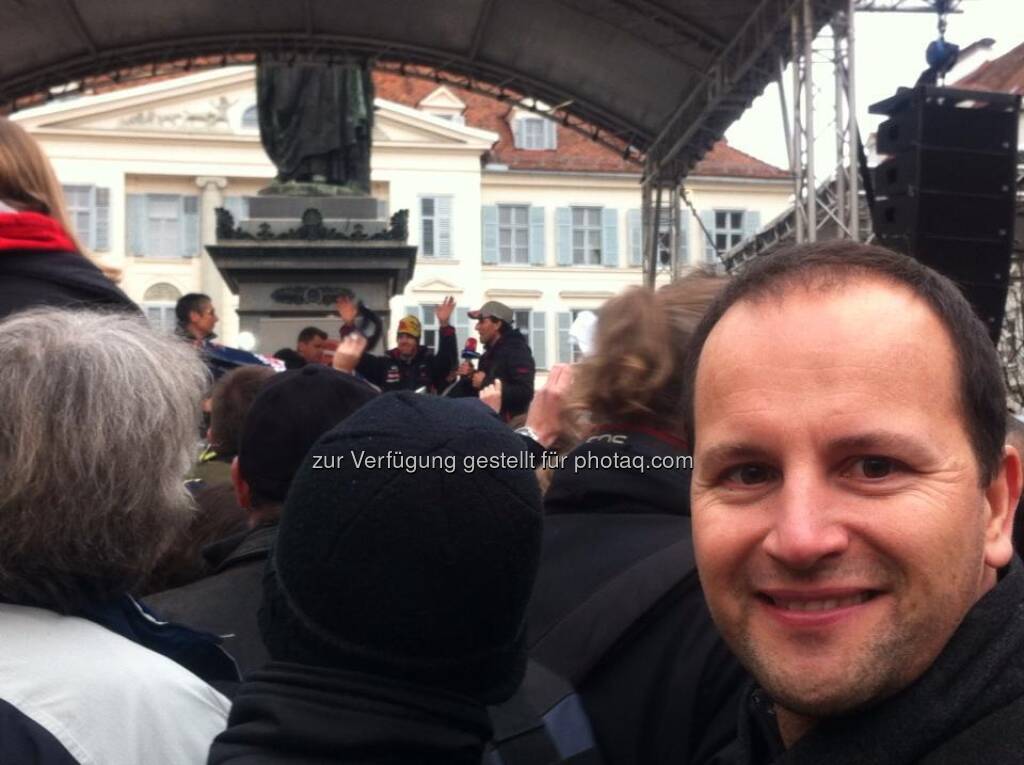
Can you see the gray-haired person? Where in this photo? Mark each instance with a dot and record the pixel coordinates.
(98, 430)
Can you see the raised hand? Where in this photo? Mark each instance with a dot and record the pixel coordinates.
(491, 395)
(545, 414)
(347, 308)
(444, 311)
(350, 350)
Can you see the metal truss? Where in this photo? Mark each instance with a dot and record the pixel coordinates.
(908, 6)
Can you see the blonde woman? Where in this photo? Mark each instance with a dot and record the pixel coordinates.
(42, 263)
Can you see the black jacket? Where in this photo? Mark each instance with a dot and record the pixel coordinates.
(510, 360)
(56, 279)
(637, 480)
(226, 602)
(668, 691)
(290, 713)
(424, 370)
(966, 709)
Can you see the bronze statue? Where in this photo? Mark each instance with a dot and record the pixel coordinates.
(316, 121)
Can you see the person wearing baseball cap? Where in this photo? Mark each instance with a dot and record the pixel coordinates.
(409, 365)
(507, 357)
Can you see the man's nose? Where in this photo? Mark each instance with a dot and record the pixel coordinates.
(806, 527)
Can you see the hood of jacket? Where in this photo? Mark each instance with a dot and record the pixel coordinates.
(623, 469)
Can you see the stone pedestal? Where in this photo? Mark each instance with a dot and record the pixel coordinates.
(293, 256)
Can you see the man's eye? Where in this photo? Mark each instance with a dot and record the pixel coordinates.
(749, 475)
(873, 467)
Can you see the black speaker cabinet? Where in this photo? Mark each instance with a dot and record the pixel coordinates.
(946, 194)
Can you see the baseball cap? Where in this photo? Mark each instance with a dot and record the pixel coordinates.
(493, 309)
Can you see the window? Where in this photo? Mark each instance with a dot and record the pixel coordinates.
(88, 209)
(533, 325)
(158, 304)
(435, 227)
(163, 225)
(728, 230)
(535, 133)
(586, 236)
(513, 233)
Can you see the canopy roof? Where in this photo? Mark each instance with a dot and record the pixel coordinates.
(660, 79)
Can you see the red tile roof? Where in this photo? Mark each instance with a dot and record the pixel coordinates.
(1000, 75)
(575, 152)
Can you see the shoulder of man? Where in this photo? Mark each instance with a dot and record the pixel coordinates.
(72, 670)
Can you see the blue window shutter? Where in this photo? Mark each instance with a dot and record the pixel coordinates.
(707, 217)
(550, 134)
(101, 217)
(135, 225)
(190, 226)
(538, 338)
(443, 226)
(489, 215)
(636, 239)
(563, 222)
(751, 223)
(461, 324)
(537, 236)
(518, 137)
(609, 237)
(564, 343)
(684, 236)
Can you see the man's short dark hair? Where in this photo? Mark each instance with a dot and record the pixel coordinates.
(309, 333)
(232, 398)
(187, 304)
(829, 266)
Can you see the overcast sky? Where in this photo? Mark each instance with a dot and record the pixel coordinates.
(889, 53)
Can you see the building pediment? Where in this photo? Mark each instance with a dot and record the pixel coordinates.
(221, 103)
(437, 285)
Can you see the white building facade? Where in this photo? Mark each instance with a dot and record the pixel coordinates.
(144, 168)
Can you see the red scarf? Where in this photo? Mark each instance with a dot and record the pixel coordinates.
(34, 231)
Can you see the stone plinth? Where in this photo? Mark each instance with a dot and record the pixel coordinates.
(288, 271)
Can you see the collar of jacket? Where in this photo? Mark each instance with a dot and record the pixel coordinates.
(980, 670)
(32, 231)
(330, 715)
(252, 544)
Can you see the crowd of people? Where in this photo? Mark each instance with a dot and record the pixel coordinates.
(766, 519)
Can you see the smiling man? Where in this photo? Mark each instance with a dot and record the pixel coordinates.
(852, 506)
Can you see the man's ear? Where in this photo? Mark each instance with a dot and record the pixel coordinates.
(1002, 496)
(243, 494)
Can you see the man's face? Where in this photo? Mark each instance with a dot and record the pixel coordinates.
(407, 345)
(204, 320)
(311, 350)
(488, 329)
(841, 533)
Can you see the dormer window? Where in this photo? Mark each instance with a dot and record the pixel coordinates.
(535, 133)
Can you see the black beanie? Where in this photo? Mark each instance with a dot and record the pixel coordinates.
(411, 571)
(292, 410)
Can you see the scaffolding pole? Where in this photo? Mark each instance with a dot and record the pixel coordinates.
(845, 201)
(802, 42)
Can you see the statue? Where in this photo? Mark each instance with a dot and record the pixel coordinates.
(316, 123)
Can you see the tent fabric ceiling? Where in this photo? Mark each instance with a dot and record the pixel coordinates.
(657, 77)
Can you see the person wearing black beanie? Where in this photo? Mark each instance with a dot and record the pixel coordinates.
(291, 411)
(394, 600)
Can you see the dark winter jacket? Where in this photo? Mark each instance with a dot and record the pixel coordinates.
(966, 709)
(290, 713)
(424, 370)
(40, 267)
(623, 469)
(226, 602)
(510, 360)
(668, 691)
